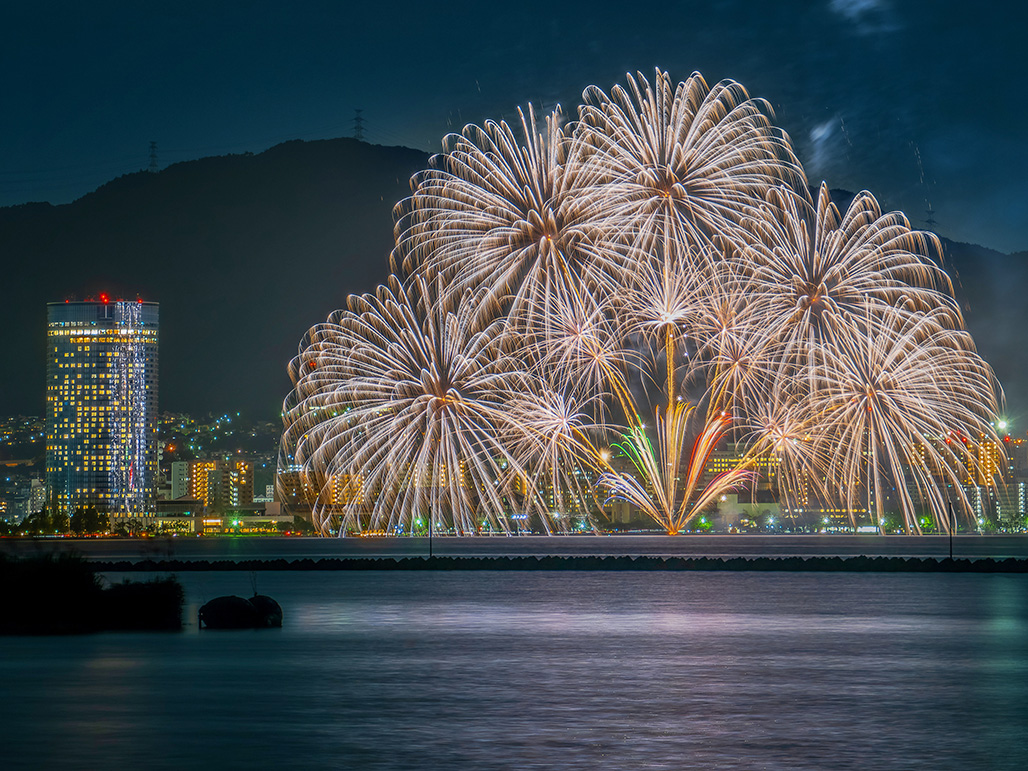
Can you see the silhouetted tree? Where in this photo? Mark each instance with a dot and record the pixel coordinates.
(132, 527)
(300, 525)
(88, 520)
(38, 523)
(60, 522)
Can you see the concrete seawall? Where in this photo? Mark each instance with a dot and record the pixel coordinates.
(758, 564)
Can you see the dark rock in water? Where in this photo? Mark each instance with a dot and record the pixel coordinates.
(231, 612)
(228, 613)
(269, 611)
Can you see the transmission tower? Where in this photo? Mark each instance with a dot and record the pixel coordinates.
(358, 125)
(154, 168)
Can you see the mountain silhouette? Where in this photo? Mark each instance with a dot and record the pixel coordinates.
(243, 252)
(990, 286)
(246, 252)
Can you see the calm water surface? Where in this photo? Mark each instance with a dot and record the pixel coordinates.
(483, 670)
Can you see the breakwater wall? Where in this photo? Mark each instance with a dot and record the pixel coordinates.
(753, 564)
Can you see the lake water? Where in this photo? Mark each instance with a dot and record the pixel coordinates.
(582, 670)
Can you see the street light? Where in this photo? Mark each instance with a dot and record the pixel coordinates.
(952, 526)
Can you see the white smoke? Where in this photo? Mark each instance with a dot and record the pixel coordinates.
(822, 146)
(869, 17)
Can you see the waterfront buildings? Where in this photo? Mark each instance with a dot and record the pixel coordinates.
(101, 406)
(222, 485)
(212, 496)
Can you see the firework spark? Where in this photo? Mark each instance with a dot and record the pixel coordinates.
(502, 209)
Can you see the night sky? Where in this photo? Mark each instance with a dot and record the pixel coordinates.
(920, 102)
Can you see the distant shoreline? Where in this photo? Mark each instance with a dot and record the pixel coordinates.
(633, 564)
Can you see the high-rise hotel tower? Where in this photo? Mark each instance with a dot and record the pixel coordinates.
(101, 406)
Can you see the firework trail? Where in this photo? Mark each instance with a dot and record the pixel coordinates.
(670, 495)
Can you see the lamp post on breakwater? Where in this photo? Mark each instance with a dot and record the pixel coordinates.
(952, 525)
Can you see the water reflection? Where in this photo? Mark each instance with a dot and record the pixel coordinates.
(570, 670)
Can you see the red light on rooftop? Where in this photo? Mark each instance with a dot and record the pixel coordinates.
(105, 298)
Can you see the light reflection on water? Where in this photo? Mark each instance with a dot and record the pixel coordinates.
(384, 670)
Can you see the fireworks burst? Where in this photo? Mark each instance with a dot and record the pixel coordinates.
(410, 420)
(892, 396)
(677, 166)
(661, 255)
(670, 495)
(811, 272)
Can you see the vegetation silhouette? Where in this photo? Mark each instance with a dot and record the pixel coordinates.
(64, 594)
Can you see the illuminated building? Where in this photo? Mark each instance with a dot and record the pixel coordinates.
(101, 406)
(1010, 502)
(237, 484)
(721, 461)
(1017, 458)
(222, 485)
(179, 479)
(199, 481)
(991, 462)
(768, 495)
(347, 490)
